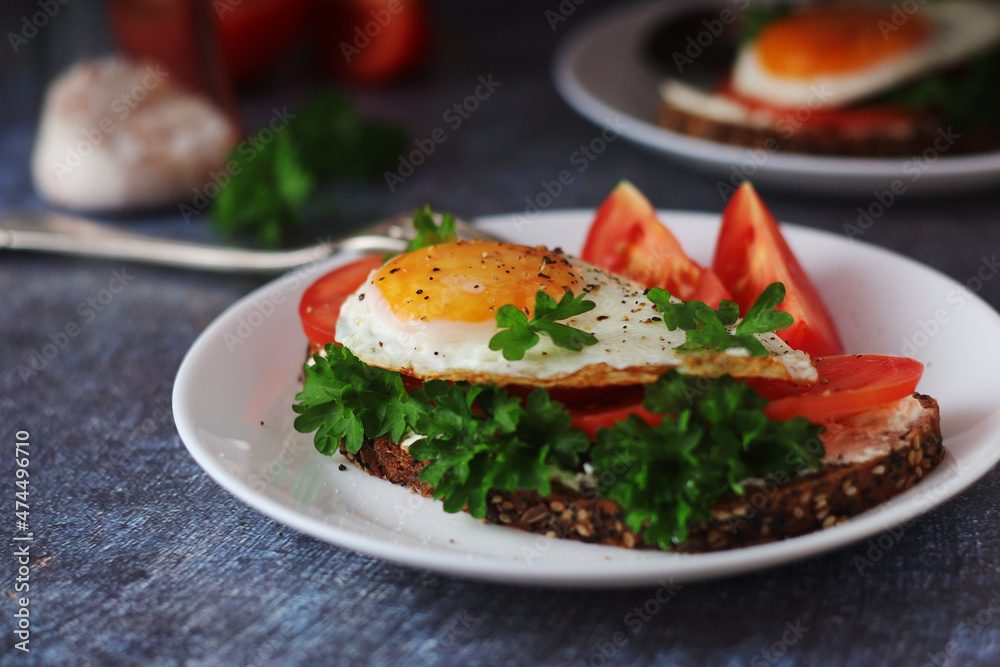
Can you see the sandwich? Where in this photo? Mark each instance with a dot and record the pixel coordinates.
(845, 78)
(542, 392)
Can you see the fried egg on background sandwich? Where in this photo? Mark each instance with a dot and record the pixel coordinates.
(832, 55)
(849, 78)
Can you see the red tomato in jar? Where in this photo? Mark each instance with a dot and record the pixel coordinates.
(255, 33)
(252, 34)
(373, 41)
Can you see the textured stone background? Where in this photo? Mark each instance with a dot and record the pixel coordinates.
(146, 561)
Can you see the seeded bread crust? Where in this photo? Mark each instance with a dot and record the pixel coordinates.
(918, 137)
(818, 500)
(770, 510)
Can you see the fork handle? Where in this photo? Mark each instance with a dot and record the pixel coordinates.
(150, 250)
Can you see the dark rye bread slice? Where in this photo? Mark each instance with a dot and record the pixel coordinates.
(792, 137)
(769, 510)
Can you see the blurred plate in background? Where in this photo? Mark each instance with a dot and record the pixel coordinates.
(602, 73)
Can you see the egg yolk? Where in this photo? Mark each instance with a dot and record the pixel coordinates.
(469, 281)
(837, 40)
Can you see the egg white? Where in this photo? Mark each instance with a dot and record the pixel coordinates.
(959, 29)
(633, 345)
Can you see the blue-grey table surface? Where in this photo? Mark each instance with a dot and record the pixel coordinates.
(139, 558)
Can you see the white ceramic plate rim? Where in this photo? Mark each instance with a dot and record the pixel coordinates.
(225, 386)
(831, 174)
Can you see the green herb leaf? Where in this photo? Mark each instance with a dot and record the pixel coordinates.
(294, 180)
(966, 96)
(429, 232)
(667, 477)
(706, 328)
(344, 398)
(253, 201)
(520, 334)
(502, 444)
(756, 18)
(271, 182)
(479, 438)
(762, 316)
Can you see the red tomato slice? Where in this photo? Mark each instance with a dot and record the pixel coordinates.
(627, 238)
(848, 384)
(602, 407)
(853, 119)
(751, 254)
(596, 418)
(320, 304)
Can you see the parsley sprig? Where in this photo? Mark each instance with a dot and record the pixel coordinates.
(272, 182)
(521, 334)
(966, 96)
(756, 18)
(429, 232)
(705, 327)
(344, 398)
(480, 438)
(667, 477)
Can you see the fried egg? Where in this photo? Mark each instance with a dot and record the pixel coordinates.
(431, 313)
(828, 56)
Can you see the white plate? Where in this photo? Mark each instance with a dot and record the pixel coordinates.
(244, 370)
(600, 71)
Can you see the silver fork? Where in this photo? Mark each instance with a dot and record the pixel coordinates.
(63, 234)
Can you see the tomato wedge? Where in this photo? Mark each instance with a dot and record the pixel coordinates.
(848, 384)
(603, 407)
(627, 238)
(751, 253)
(320, 304)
